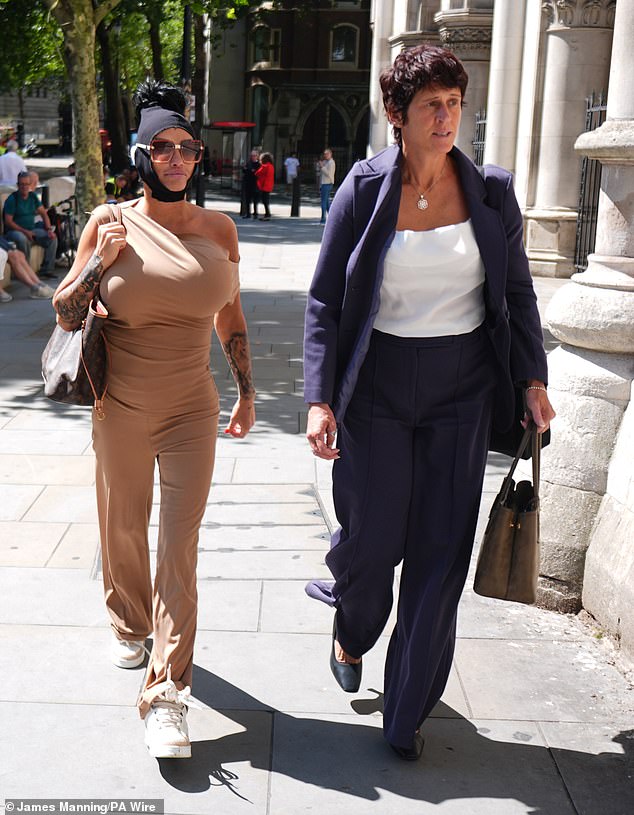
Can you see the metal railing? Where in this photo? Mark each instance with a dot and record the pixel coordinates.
(479, 137)
(589, 187)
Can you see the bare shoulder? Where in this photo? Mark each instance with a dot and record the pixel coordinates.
(101, 214)
(219, 228)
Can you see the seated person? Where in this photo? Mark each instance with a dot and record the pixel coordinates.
(120, 187)
(21, 270)
(20, 210)
(110, 195)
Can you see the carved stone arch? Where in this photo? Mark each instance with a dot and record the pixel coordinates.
(359, 116)
(312, 107)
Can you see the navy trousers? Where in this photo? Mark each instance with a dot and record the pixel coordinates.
(407, 487)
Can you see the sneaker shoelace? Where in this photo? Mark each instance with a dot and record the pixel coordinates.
(170, 702)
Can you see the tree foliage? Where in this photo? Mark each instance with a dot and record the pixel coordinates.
(32, 46)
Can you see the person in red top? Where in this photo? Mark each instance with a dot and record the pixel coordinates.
(265, 176)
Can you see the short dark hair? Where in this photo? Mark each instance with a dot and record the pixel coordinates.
(24, 174)
(414, 69)
(266, 158)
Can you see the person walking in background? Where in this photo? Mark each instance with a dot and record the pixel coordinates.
(251, 193)
(291, 164)
(420, 319)
(167, 274)
(265, 177)
(327, 169)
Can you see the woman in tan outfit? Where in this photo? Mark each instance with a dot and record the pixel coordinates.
(167, 273)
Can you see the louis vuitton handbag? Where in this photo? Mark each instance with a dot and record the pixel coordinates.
(508, 563)
(75, 363)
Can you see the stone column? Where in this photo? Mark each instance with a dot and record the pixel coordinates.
(505, 77)
(577, 57)
(588, 496)
(381, 21)
(467, 31)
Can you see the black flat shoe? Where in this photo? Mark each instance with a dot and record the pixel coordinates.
(348, 676)
(412, 753)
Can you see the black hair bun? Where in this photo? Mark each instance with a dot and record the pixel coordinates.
(155, 93)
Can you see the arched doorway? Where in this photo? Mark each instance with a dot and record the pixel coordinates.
(324, 127)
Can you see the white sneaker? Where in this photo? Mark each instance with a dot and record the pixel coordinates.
(41, 292)
(5, 297)
(166, 731)
(127, 653)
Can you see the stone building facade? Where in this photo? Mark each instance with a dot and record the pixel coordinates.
(306, 74)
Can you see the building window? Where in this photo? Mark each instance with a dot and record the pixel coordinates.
(266, 45)
(345, 42)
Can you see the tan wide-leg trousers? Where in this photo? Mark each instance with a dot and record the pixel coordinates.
(127, 444)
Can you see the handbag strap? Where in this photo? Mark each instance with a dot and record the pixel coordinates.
(536, 451)
(530, 434)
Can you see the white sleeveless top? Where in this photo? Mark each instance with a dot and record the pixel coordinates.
(433, 283)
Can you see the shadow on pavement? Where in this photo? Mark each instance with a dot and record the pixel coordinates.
(459, 760)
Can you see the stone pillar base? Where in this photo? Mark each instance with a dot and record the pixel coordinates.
(550, 241)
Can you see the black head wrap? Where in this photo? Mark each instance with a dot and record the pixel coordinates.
(154, 119)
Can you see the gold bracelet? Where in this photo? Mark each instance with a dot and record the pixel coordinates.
(536, 388)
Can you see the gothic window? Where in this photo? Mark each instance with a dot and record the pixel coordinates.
(345, 45)
(266, 44)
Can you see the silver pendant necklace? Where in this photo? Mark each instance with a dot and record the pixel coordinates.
(422, 202)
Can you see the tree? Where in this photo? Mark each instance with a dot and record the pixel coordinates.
(78, 20)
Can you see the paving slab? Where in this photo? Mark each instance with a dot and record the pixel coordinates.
(245, 537)
(45, 442)
(287, 608)
(596, 763)
(279, 494)
(77, 549)
(347, 767)
(17, 499)
(51, 417)
(483, 617)
(284, 564)
(64, 664)
(64, 598)
(541, 680)
(220, 675)
(69, 504)
(288, 514)
(28, 544)
(21, 468)
(229, 605)
(228, 771)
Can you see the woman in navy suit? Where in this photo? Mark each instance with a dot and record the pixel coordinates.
(421, 321)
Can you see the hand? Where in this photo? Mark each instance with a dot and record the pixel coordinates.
(321, 430)
(242, 418)
(110, 241)
(538, 408)
(30, 235)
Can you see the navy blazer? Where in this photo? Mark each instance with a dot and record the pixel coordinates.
(344, 295)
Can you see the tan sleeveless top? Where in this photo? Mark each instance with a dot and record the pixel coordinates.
(162, 293)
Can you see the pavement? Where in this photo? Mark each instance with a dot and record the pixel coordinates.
(536, 718)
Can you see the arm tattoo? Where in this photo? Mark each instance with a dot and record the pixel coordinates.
(236, 349)
(72, 304)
